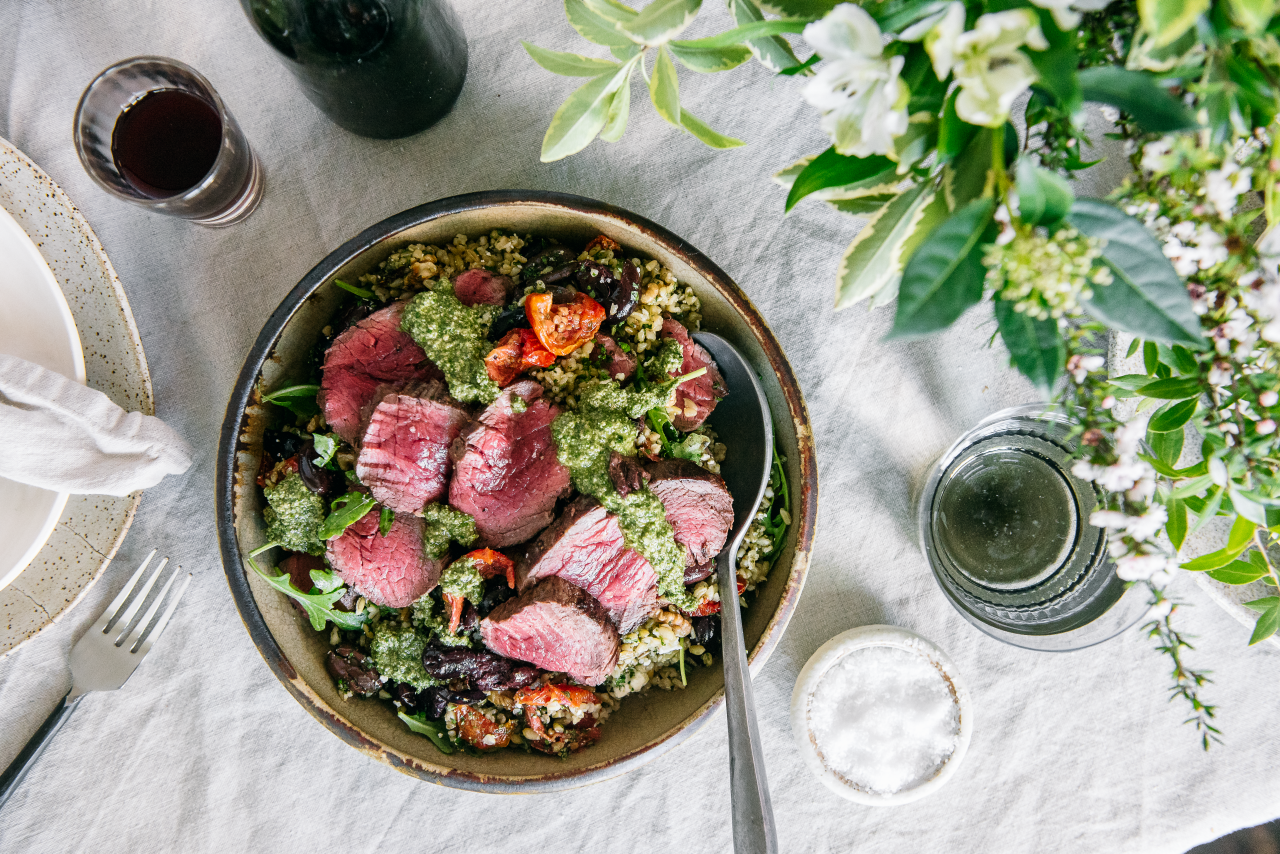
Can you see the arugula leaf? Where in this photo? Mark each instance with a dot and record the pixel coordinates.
(298, 399)
(344, 512)
(318, 605)
(385, 518)
(360, 292)
(326, 445)
(775, 521)
(433, 730)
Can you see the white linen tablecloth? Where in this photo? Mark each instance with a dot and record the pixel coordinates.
(204, 751)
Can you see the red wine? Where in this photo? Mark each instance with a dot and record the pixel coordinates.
(166, 142)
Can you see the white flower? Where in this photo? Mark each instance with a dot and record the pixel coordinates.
(990, 68)
(1223, 186)
(1108, 519)
(1265, 427)
(1066, 13)
(863, 102)
(1007, 232)
(1218, 471)
(1156, 155)
(1141, 567)
(1109, 113)
(940, 37)
(1269, 398)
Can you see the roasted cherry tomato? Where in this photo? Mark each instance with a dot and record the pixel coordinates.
(602, 242)
(477, 730)
(490, 563)
(456, 604)
(711, 606)
(566, 327)
(565, 695)
(518, 351)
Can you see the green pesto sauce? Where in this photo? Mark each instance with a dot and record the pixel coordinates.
(669, 358)
(604, 422)
(294, 515)
(432, 620)
(444, 524)
(397, 654)
(462, 578)
(453, 337)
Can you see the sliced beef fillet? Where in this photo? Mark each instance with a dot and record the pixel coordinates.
(697, 397)
(404, 455)
(620, 364)
(507, 474)
(391, 570)
(556, 626)
(586, 547)
(698, 506)
(370, 357)
(481, 287)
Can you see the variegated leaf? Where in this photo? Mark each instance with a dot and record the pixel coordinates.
(874, 258)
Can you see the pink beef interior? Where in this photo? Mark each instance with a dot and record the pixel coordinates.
(697, 505)
(481, 287)
(507, 475)
(586, 547)
(705, 391)
(404, 455)
(390, 571)
(558, 627)
(371, 356)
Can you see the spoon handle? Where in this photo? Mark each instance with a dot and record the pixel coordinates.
(753, 826)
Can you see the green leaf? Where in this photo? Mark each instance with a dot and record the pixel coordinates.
(954, 134)
(1183, 360)
(1191, 487)
(1131, 382)
(1252, 15)
(1036, 346)
(593, 27)
(1138, 94)
(1172, 416)
(568, 64)
(707, 135)
(1146, 296)
(773, 52)
(1237, 572)
(386, 517)
(615, 123)
(966, 179)
(874, 259)
(894, 16)
(1167, 446)
(1263, 604)
(1043, 196)
(1176, 527)
(660, 21)
(1266, 625)
(318, 606)
(612, 11)
(363, 293)
(1248, 507)
(1166, 20)
(747, 32)
(344, 512)
(664, 87)
(1208, 511)
(1057, 67)
(583, 114)
(830, 169)
(883, 184)
(290, 392)
(1150, 357)
(810, 10)
(326, 445)
(863, 206)
(945, 275)
(1174, 388)
(710, 59)
(431, 729)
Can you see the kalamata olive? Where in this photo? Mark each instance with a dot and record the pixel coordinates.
(559, 274)
(280, 445)
(317, 479)
(484, 671)
(545, 261)
(626, 296)
(511, 317)
(496, 592)
(704, 629)
(597, 279)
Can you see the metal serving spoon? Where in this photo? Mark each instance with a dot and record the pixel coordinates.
(743, 423)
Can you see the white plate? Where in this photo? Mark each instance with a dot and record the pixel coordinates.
(91, 527)
(36, 325)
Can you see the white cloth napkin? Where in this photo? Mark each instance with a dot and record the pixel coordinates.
(60, 435)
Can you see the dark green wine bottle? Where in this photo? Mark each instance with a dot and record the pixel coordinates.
(379, 68)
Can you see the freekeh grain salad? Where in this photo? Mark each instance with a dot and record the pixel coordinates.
(499, 497)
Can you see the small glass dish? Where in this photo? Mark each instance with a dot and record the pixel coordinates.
(1005, 527)
(820, 665)
(227, 193)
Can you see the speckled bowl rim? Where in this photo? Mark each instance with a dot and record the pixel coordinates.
(804, 494)
(827, 656)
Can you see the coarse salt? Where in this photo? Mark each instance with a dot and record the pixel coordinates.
(885, 719)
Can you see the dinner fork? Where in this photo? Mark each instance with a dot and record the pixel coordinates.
(103, 659)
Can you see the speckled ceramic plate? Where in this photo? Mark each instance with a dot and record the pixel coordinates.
(91, 527)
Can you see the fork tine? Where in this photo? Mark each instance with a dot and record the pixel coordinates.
(123, 625)
(110, 612)
(164, 618)
(136, 635)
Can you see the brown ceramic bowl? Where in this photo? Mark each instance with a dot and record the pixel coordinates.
(645, 726)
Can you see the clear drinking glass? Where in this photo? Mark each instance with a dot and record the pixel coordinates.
(227, 193)
(1005, 528)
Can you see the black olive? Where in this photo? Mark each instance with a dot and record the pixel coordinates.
(318, 480)
(496, 592)
(511, 317)
(545, 261)
(704, 629)
(280, 445)
(626, 296)
(559, 273)
(597, 279)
